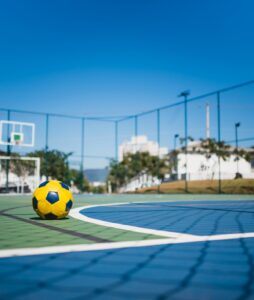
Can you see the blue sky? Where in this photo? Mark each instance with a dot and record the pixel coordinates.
(123, 57)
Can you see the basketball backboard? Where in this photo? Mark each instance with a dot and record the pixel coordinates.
(16, 133)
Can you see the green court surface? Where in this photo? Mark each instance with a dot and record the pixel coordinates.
(21, 228)
(141, 247)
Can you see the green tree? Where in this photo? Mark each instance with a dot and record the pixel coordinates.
(222, 150)
(98, 189)
(211, 146)
(79, 180)
(118, 174)
(241, 153)
(54, 164)
(135, 164)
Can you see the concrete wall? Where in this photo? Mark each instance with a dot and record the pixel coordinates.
(201, 168)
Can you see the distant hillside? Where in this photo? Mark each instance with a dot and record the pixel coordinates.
(99, 175)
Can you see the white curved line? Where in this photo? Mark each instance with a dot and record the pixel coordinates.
(172, 238)
(75, 213)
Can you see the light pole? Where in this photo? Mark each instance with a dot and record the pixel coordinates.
(237, 125)
(185, 95)
(176, 136)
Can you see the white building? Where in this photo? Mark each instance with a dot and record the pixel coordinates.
(201, 166)
(141, 144)
(141, 181)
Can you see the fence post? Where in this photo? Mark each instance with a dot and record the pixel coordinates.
(82, 144)
(116, 140)
(219, 139)
(136, 125)
(186, 140)
(46, 145)
(185, 94)
(136, 132)
(158, 141)
(8, 152)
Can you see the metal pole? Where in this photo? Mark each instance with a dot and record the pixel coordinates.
(219, 139)
(236, 144)
(207, 121)
(186, 141)
(136, 132)
(46, 145)
(8, 152)
(158, 141)
(116, 140)
(136, 125)
(158, 127)
(185, 94)
(82, 144)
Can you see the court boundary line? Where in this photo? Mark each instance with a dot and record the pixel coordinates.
(118, 245)
(76, 213)
(177, 239)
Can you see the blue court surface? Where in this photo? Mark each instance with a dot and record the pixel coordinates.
(199, 218)
(221, 269)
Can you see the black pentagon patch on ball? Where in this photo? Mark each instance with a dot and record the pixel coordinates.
(50, 216)
(65, 186)
(52, 197)
(35, 203)
(68, 205)
(43, 183)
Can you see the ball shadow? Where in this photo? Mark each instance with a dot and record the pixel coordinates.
(39, 219)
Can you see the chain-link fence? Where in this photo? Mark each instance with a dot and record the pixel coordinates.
(208, 137)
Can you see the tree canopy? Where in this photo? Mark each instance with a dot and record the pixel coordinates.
(135, 164)
(55, 164)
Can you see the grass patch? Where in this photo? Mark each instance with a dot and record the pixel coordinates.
(236, 186)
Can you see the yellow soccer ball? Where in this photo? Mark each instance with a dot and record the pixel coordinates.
(52, 200)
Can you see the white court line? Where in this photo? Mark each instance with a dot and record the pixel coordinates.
(119, 245)
(172, 238)
(75, 213)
